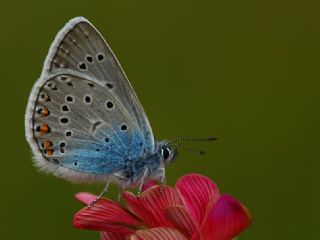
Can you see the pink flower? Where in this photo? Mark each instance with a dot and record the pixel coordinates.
(194, 209)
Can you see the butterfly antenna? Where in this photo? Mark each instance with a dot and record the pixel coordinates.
(192, 139)
(196, 151)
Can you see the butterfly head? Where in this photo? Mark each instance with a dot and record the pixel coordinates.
(167, 152)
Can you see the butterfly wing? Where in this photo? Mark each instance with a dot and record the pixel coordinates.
(83, 119)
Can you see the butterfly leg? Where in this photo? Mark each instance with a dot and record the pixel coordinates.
(120, 191)
(105, 189)
(119, 195)
(145, 173)
(163, 179)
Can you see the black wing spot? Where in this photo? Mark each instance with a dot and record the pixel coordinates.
(68, 133)
(69, 98)
(100, 57)
(109, 85)
(107, 140)
(64, 120)
(109, 104)
(52, 86)
(39, 110)
(89, 59)
(56, 65)
(63, 78)
(124, 127)
(45, 97)
(65, 108)
(83, 66)
(87, 99)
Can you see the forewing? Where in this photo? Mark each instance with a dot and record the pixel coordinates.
(81, 50)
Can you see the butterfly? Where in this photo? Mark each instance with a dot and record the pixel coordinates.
(83, 120)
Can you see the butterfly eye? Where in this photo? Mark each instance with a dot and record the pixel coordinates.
(165, 153)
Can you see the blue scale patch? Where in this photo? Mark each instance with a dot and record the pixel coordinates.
(107, 157)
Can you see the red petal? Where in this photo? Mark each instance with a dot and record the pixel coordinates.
(226, 220)
(85, 197)
(199, 194)
(180, 218)
(106, 215)
(161, 233)
(111, 236)
(133, 203)
(148, 185)
(151, 205)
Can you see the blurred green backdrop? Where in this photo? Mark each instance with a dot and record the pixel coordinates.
(245, 71)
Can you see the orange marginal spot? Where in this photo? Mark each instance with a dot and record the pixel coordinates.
(45, 112)
(49, 152)
(44, 129)
(47, 144)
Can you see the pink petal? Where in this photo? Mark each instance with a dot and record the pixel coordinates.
(161, 233)
(151, 205)
(108, 216)
(180, 218)
(85, 197)
(226, 220)
(111, 236)
(199, 194)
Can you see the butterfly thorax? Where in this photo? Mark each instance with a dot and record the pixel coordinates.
(149, 167)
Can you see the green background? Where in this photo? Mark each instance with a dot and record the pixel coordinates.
(244, 71)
